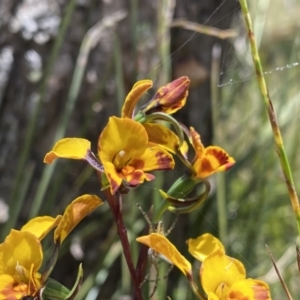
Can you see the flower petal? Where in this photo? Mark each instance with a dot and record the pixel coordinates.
(249, 289)
(156, 158)
(162, 136)
(121, 135)
(120, 141)
(214, 159)
(153, 159)
(20, 249)
(135, 177)
(73, 148)
(41, 226)
(194, 138)
(220, 271)
(163, 246)
(204, 245)
(113, 177)
(74, 213)
(10, 290)
(133, 97)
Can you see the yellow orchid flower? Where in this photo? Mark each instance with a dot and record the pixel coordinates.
(21, 254)
(209, 160)
(126, 154)
(222, 277)
(21, 257)
(124, 151)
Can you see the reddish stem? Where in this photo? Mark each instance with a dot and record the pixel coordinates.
(114, 205)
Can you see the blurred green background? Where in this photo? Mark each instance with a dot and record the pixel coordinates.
(66, 66)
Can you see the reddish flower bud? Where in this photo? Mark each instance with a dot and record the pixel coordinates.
(169, 98)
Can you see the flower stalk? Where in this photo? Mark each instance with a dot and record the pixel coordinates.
(115, 208)
(284, 163)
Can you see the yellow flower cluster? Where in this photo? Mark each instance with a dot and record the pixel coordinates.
(129, 148)
(21, 253)
(222, 277)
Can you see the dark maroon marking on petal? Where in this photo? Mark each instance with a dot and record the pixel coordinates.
(138, 163)
(221, 156)
(136, 178)
(165, 162)
(206, 165)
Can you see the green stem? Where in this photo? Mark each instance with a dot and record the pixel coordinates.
(272, 116)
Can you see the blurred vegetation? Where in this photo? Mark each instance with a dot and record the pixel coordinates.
(64, 70)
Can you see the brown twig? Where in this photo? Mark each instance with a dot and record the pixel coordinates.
(279, 275)
(221, 34)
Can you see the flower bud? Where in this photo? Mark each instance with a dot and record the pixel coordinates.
(169, 98)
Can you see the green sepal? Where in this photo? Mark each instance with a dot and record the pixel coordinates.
(179, 202)
(182, 186)
(187, 205)
(53, 290)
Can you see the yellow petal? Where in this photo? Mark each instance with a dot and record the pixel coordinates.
(163, 246)
(74, 213)
(121, 135)
(9, 289)
(204, 245)
(120, 141)
(152, 159)
(156, 158)
(196, 142)
(249, 289)
(35, 280)
(162, 136)
(133, 97)
(20, 249)
(113, 177)
(220, 271)
(73, 148)
(41, 226)
(214, 159)
(134, 177)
